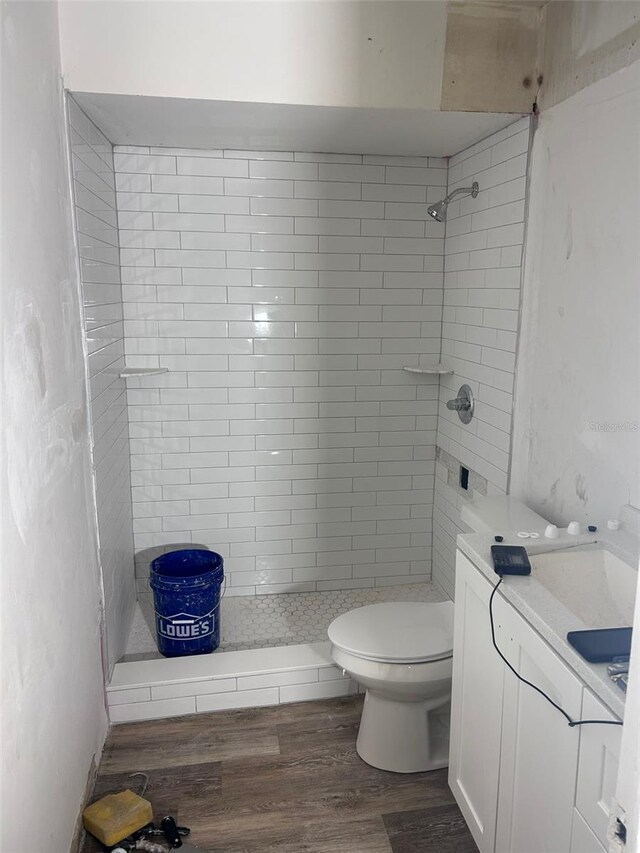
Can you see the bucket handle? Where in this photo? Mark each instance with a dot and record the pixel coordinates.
(168, 618)
(204, 615)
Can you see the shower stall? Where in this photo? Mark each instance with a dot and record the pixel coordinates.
(249, 318)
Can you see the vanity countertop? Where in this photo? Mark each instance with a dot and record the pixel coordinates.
(545, 613)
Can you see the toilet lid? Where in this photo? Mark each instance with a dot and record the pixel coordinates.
(396, 631)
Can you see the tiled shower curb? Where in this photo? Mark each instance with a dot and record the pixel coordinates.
(171, 687)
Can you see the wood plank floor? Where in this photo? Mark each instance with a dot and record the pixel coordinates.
(284, 779)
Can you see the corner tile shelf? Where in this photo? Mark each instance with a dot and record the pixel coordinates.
(435, 370)
(141, 371)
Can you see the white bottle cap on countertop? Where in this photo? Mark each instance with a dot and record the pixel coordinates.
(551, 531)
(522, 534)
(573, 528)
(534, 535)
(613, 524)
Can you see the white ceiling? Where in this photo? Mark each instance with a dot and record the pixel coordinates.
(188, 123)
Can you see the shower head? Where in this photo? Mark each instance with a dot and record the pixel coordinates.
(438, 211)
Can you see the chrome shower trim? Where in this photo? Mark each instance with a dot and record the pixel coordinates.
(438, 211)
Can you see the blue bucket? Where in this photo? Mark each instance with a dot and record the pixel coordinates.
(186, 593)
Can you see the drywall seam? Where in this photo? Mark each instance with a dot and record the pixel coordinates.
(533, 125)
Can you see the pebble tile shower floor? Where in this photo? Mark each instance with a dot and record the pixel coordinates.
(262, 621)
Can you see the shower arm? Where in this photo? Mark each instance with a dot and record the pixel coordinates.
(473, 191)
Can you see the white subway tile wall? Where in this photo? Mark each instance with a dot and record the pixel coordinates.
(483, 253)
(284, 292)
(97, 234)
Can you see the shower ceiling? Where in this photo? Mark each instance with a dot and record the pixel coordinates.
(181, 122)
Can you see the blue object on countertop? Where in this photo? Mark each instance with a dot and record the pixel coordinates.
(601, 645)
(186, 588)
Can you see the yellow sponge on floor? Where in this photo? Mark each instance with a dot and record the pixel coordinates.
(115, 816)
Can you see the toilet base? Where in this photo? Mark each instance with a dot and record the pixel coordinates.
(404, 737)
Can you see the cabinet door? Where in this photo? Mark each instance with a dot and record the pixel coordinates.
(478, 675)
(582, 838)
(597, 767)
(539, 756)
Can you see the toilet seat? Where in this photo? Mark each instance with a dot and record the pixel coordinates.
(400, 632)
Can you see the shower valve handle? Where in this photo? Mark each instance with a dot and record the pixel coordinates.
(460, 404)
(463, 404)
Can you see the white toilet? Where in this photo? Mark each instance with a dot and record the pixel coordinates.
(402, 653)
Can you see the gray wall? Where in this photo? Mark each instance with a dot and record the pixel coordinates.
(577, 425)
(53, 715)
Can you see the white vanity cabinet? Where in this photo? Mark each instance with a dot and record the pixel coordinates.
(476, 707)
(539, 752)
(525, 781)
(597, 770)
(583, 840)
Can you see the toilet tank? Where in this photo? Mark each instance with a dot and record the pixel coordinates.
(500, 512)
